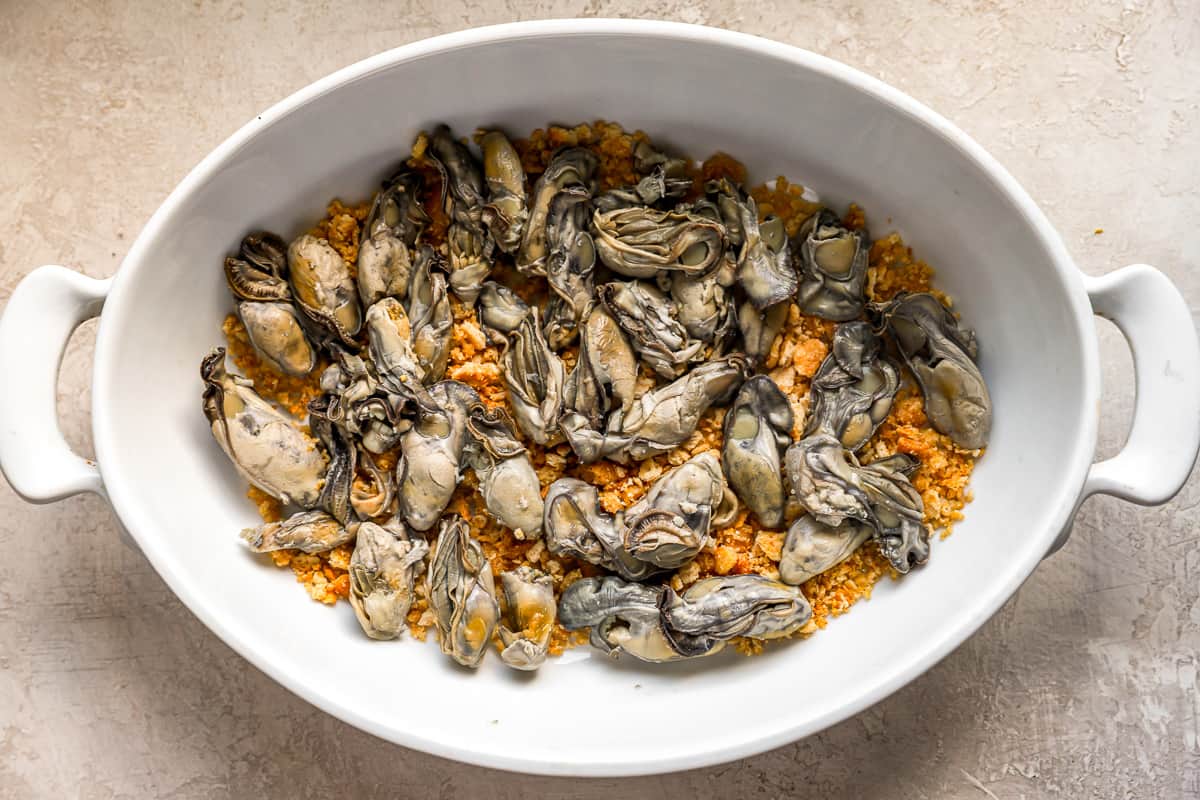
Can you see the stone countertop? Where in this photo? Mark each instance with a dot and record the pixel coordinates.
(1084, 685)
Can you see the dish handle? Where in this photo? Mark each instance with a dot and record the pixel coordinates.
(1161, 450)
(45, 308)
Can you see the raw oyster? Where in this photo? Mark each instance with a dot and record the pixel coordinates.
(462, 594)
(392, 226)
(812, 547)
(383, 569)
(833, 267)
(306, 531)
(431, 455)
(640, 242)
(322, 287)
(757, 429)
(527, 617)
(511, 491)
(572, 166)
(853, 389)
(649, 318)
(505, 213)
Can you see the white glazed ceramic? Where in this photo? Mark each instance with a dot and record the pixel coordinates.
(785, 111)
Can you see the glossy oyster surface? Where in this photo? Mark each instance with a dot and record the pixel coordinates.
(833, 267)
(323, 287)
(383, 572)
(941, 355)
(462, 593)
(757, 429)
(853, 389)
(641, 242)
(528, 612)
(266, 447)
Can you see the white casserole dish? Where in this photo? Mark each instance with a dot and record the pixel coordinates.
(784, 111)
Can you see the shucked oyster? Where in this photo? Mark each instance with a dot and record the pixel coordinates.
(704, 306)
(383, 568)
(343, 458)
(941, 355)
(306, 531)
(604, 375)
(462, 593)
(623, 617)
(662, 419)
(527, 618)
(572, 166)
(640, 242)
(468, 242)
(830, 483)
(257, 278)
(322, 287)
(389, 335)
(670, 524)
(812, 547)
(570, 261)
(430, 316)
(656, 624)
(431, 456)
(392, 226)
(759, 328)
(664, 530)
(511, 491)
(648, 317)
(717, 609)
(833, 267)
(853, 389)
(757, 428)
(265, 446)
(501, 311)
(505, 213)
(764, 261)
(535, 377)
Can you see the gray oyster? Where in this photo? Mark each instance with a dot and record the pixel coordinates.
(572, 166)
(463, 186)
(670, 524)
(431, 454)
(527, 614)
(278, 336)
(853, 389)
(720, 608)
(764, 261)
(757, 429)
(392, 226)
(505, 213)
(343, 462)
(662, 419)
(570, 262)
(508, 483)
(430, 316)
(383, 569)
(462, 593)
(259, 270)
(306, 531)
(760, 328)
(256, 277)
(322, 287)
(605, 372)
(534, 376)
(470, 246)
(704, 306)
(812, 547)
(832, 486)
(389, 342)
(355, 398)
(941, 355)
(833, 267)
(577, 526)
(656, 624)
(500, 310)
(623, 617)
(640, 242)
(372, 496)
(470, 261)
(649, 318)
(266, 447)
(665, 529)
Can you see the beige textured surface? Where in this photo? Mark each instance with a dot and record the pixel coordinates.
(1084, 685)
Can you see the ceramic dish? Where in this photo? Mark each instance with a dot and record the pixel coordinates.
(697, 89)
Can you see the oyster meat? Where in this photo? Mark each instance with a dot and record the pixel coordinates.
(649, 318)
(392, 226)
(833, 267)
(757, 429)
(322, 287)
(431, 454)
(505, 212)
(572, 166)
(462, 593)
(383, 570)
(641, 242)
(266, 447)
(941, 355)
(527, 614)
(853, 389)
(306, 531)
